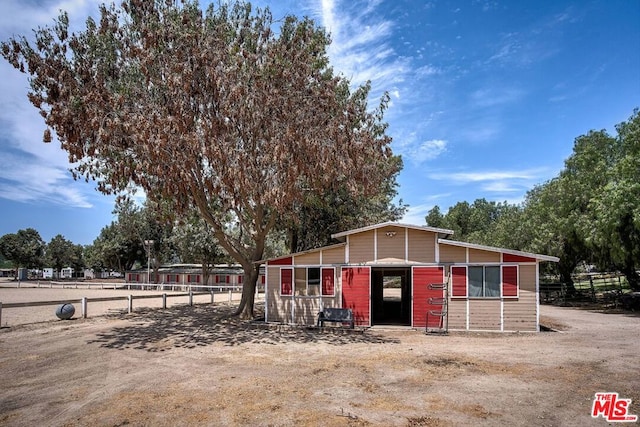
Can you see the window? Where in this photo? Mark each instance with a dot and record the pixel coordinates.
(484, 281)
(307, 281)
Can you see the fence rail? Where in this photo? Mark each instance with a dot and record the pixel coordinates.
(213, 291)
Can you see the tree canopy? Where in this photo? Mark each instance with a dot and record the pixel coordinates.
(215, 110)
(589, 213)
(24, 248)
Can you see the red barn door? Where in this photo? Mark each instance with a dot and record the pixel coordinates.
(422, 278)
(356, 293)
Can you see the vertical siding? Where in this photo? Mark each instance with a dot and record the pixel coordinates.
(458, 314)
(484, 314)
(521, 314)
(312, 258)
(450, 253)
(422, 277)
(391, 246)
(278, 309)
(306, 310)
(421, 246)
(333, 256)
(356, 287)
(361, 247)
(476, 255)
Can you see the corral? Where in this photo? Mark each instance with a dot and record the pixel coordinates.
(198, 366)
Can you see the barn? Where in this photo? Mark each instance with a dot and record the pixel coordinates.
(401, 274)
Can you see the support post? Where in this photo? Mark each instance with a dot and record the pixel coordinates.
(84, 307)
(130, 309)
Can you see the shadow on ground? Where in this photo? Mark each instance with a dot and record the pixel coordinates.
(199, 326)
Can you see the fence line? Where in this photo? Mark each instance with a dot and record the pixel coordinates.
(84, 300)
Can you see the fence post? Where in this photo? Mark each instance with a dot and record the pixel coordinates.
(229, 295)
(164, 301)
(190, 297)
(212, 296)
(0, 314)
(84, 307)
(130, 308)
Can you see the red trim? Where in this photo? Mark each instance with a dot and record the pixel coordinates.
(458, 281)
(356, 284)
(286, 275)
(281, 261)
(509, 281)
(516, 258)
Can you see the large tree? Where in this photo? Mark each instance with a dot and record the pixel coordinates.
(212, 110)
(61, 253)
(24, 248)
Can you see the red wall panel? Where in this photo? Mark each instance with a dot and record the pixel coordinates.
(516, 258)
(356, 287)
(509, 281)
(422, 278)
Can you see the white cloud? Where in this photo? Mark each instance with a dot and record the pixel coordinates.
(360, 45)
(33, 170)
(483, 176)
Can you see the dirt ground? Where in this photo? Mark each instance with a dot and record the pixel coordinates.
(198, 366)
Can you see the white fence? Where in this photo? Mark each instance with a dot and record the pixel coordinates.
(217, 293)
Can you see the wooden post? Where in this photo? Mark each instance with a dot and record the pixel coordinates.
(84, 307)
(212, 296)
(229, 295)
(0, 314)
(130, 309)
(190, 297)
(164, 301)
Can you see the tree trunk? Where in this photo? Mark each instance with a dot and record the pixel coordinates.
(245, 309)
(632, 278)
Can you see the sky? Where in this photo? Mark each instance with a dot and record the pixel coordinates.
(487, 97)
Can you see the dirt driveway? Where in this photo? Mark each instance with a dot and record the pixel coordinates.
(195, 366)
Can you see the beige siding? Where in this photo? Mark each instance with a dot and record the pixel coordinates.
(527, 278)
(361, 247)
(520, 314)
(392, 246)
(306, 310)
(476, 255)
(312, 258)
(484, 314)
(333, 256)
(450, 253)
(278, 310)
(457, 314)
(421, 246)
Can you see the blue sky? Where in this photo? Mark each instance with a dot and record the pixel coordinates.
(487, 97)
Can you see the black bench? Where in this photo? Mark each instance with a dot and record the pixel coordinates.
(337, 315)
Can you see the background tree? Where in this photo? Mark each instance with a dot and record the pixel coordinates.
(323, 214)
(60, 253)
(195, 243)
(114, 250)
(215, 111)
(434, 217)
(24, 248)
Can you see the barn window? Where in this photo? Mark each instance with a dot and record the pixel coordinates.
(484, 281)
(312, 281)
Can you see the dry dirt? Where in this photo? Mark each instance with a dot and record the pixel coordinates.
(197, 366)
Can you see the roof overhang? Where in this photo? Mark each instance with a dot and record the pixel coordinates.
(538, 257)
(308, 251)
